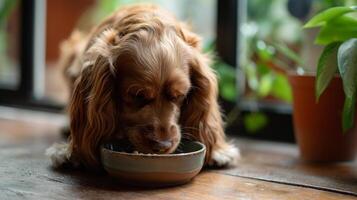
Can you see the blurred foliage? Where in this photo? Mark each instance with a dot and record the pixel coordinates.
(268, 35)
(6, 7)
(320, 5)
(267, 28)
(253, 122)
(104, 8)
(226, 74)
(265, 73)
(272, 37)
(227, 80)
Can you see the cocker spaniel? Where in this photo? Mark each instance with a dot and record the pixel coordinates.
(140, 75)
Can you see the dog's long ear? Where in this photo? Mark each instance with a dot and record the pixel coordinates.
(92, 111)
(200, 114)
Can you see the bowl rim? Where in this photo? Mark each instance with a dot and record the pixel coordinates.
(202, 149)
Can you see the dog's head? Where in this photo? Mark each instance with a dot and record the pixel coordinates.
(144, 79)
(153, 81)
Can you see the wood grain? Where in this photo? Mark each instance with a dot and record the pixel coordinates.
(25, 174)
(281, 163)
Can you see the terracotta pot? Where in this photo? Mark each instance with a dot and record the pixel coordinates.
(61, 19)
(318, 126)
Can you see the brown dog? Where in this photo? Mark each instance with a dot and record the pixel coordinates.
(140, 75)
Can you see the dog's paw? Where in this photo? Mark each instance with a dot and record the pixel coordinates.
(226, 156)
(60, 155)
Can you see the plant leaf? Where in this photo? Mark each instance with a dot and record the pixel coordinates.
(6, 7)
(326, 68)
(228, 91)
(281, 88)
(227, 81)
(286, 51)
(265, 52)
(325, 16)
(337, 30)
(347, 65)
(255, 121)
(251, 73)
(265, 85)
(262, 68)
(348, 113)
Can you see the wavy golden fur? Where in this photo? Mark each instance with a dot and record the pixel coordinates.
(140, 75)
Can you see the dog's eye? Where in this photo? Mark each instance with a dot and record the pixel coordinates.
(141, 100)
(176, 99)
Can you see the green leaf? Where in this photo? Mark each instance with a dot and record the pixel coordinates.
(251, 72)
(281, 88)
(254, 122)
(265, 85)
(286, 51)
(227, 81)
(337, 30)
(326, 68)
(229, 92)
(347, 65)
(348, 113)
(262, 68)
(264, 51)
(6, 7)
(325, 16)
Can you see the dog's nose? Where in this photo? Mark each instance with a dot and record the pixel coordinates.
(171, 130)
(161, 146)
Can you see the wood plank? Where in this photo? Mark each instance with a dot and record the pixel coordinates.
(25, 174)
(280, 163)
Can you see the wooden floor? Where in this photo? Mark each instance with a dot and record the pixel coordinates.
(25, 171)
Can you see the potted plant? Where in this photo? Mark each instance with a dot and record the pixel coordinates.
(324, 103)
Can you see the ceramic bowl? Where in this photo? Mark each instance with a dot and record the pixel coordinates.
(154, 169)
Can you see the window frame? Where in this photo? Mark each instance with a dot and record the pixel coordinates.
(22, 95)
(229, 17)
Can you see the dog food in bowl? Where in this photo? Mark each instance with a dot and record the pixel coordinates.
(154, 169)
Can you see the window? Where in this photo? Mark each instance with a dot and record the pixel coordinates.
(244, 34)
(83, 14)
(272, 43)
(29, 74)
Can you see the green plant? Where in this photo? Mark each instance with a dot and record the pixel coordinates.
(266, 71)
(260, 60)
(7, 63)
(338, 32)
